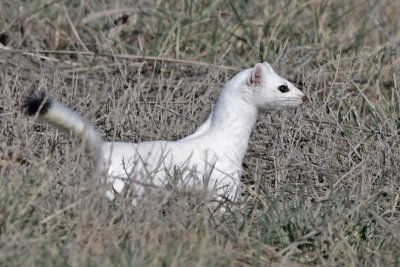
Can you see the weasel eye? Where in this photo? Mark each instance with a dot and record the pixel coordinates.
(283, 89)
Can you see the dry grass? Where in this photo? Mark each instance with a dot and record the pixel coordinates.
(322, 185)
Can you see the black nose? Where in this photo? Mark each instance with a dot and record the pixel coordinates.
(304, 98)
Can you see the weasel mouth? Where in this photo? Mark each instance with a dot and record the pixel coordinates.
(293, 102)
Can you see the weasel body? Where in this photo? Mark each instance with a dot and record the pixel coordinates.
(212, 156)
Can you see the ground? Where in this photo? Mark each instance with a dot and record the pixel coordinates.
(321, 184)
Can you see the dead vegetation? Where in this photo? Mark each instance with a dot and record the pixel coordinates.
(321, 184)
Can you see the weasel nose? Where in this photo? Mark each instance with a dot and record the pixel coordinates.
(304, 98)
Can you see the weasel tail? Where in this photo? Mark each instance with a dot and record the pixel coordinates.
(53, 112)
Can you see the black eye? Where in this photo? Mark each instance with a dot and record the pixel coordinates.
(283, 89)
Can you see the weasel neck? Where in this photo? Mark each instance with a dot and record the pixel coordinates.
(231, 123)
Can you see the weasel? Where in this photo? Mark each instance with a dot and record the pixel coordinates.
(209, 158)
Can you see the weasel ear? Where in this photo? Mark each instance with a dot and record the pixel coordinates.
(268, 66)
(257, 74)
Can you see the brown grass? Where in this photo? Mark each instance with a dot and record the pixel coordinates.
(321, 184)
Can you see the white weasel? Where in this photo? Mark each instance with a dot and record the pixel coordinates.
(212, 156)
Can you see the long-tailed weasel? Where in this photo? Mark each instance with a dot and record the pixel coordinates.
(212, 156)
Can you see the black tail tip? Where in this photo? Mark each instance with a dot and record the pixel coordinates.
(36, 103)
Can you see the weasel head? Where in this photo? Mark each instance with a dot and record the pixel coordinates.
(269, 91)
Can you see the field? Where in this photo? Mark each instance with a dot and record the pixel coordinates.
(321, 184)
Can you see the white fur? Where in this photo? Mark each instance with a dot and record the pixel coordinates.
(69, 121)
(212, 156)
